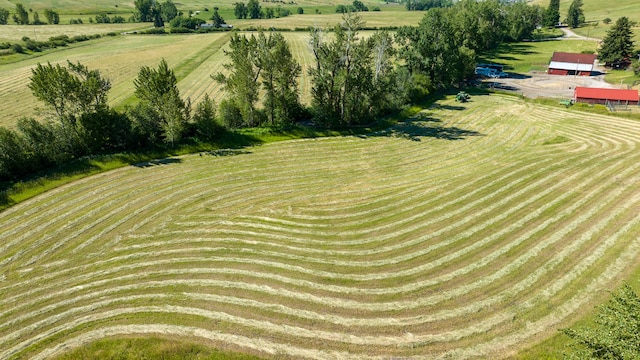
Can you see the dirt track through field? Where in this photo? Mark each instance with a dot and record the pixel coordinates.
(471, 231)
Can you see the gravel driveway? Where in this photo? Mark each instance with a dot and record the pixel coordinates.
(541, 84)
(536, 84)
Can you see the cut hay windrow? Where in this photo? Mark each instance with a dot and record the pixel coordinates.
(372, 247)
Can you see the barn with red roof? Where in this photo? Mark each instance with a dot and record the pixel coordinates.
(604, 96)
(571, 64)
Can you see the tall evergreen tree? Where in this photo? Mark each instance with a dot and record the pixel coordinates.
(617, 46)
(575, 15)
(217, 19)
(552, 15)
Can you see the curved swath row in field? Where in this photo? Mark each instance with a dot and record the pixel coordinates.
(337, 248)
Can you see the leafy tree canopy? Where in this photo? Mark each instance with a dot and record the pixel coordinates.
(52, 16)
(240, 10)
(168, 11)
(616, 334)
(254, 10)
(69, 91)
(161, 106)
(4, 16)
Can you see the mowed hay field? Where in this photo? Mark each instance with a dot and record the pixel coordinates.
(193, 59)
(475, 230)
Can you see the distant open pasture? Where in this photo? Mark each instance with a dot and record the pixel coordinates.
(377, 19)
(193, 58)
(534, 56)
(15, 33)
(84, 10)
(597, 10)
(474, 230)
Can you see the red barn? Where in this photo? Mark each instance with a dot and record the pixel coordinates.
(602, 96)
(571, 64)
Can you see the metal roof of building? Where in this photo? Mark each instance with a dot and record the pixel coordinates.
(571, 66)
(606, 94)
(564, 57)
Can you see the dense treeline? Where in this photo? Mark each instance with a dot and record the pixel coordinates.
(253, 10)
(354, 81)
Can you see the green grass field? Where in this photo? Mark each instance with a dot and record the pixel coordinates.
(475, 230)
(534, 56)
(119, 59)
(84, 10)
(597, 10)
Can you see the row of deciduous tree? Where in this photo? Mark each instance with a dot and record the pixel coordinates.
(21, 16)
(355, 80)
(78, 122)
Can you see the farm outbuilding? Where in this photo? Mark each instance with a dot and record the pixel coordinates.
(571, 64)
(606, 96)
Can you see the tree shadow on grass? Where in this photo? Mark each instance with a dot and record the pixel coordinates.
(5, 200)
(227, 152)
(506, 52)
(157, 162)
(39, 182)
(423, 125)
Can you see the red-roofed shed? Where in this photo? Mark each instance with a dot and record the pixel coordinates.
(602, 96)
(571, 64)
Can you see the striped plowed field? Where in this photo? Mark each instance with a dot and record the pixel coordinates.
(475, 230)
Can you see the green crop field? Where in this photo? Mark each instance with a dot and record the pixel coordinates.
(15, 33)
(534, 56)
(475, 230)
